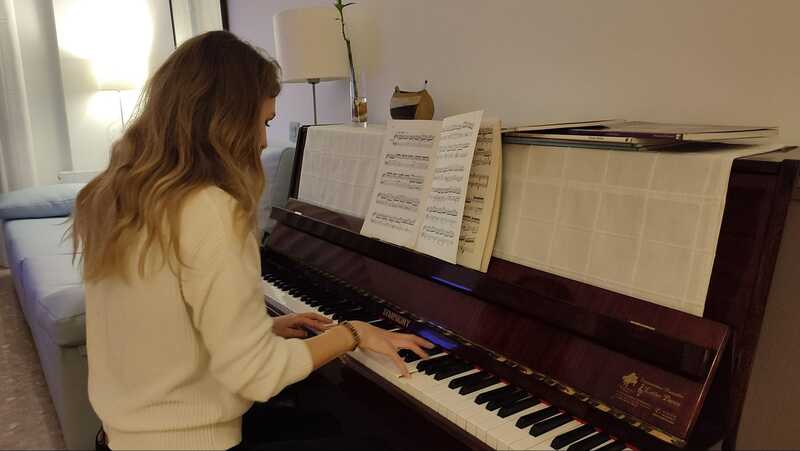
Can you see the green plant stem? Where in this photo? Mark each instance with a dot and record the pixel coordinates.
(349, 51)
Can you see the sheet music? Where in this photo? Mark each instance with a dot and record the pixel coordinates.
(402, 182)
(481, 206)
(442, 216)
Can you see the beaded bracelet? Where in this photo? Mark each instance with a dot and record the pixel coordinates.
(353, 332)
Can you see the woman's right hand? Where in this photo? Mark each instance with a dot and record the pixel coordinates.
(389, 343)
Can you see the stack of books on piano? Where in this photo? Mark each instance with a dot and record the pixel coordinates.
(633, 135)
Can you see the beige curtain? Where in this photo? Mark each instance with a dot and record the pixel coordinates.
(17, 164)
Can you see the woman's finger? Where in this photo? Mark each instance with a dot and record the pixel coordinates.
(310, 323)
(317, 317)
(422, 342)
(419, 341)
(413, 347)
(293, 332)
(400, 363)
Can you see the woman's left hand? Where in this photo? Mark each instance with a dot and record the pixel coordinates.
(294, 325)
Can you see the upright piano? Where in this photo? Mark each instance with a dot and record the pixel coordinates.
(525, 359)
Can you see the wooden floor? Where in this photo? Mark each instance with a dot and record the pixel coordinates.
(27, 416)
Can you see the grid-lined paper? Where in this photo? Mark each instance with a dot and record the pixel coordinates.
(339, 166)
(644, 224)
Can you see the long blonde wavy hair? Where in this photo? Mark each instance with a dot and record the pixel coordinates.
(195, 126)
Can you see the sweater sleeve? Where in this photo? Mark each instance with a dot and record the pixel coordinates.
(222, 287)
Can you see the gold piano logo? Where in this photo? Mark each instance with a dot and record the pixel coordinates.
(396, 318)
(630, 380)
(656, 399)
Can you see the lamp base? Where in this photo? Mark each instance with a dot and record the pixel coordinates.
(313, 82)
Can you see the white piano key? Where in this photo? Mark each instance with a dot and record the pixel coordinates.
(542, 442)
(507, 433)
(432, 390)
(604, 443)
(441, 392)
(582, 438)
(499, 433)
(466, 406)
(292, 302)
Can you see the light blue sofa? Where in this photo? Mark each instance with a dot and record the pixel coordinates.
(51, 294)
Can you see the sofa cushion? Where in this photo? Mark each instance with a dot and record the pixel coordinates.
(40, 201)
(35, 237)
(45, 301)
(62, 315)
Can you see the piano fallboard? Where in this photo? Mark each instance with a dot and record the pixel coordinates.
(585, 355)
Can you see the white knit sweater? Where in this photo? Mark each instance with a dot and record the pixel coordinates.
(174, 363)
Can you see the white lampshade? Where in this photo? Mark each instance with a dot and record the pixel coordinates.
(118, 84)
(309, 44)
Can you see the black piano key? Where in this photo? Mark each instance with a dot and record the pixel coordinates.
(437, 366)
(613, 446)
(422, 366)
(590, 443)
(475, 377)
(572, 436)
(410, 357)
(452, 370)
(330, 309)
(405, 353)
(360, 316)
(492, 394)
(327, 310)
(550, 424)
(385, 324)
(475, 386)
(444, 364)
(506, 400)
(519, 406)
(535, 417)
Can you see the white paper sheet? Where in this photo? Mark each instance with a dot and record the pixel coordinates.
(644, 224)
(481, 206)
(339, 165)
(402, 181)
(441, 223)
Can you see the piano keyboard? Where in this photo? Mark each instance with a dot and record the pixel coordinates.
(500, 415)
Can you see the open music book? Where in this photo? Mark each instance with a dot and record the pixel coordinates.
(437, 188)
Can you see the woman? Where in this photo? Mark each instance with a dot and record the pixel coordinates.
(178, 343)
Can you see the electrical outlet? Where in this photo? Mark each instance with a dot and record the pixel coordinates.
(294, 129)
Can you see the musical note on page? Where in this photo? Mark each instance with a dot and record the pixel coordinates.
(436, 188)
(482, 200)
(441, 225)
(403, 181)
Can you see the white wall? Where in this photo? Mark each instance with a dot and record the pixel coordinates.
(713, 61)
(93, 116)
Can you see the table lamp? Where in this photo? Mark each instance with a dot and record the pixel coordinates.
(118, 85)
(309, 47)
